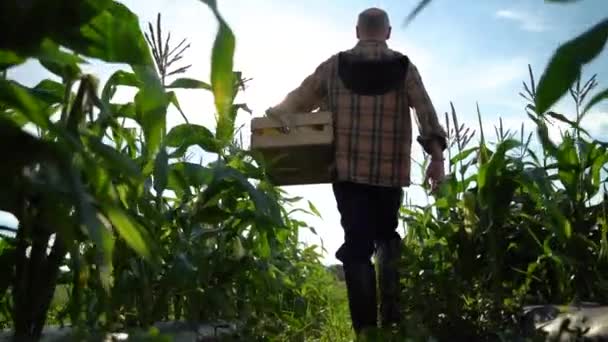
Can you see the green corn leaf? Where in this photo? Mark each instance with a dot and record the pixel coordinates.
(568, 166)
(161, 172)
(498, 159)
(60, 63)
(488, 174)
(314, 209)
(151, 110)
(565, 65)
(561, 118)
(134, 235)
(548, 145)
(186, 135)
(222, 76)
(126, 110)
(596, 168)
(25, 26)
(189, 83)
(547, 247)
(175, 102)
(262, 245)
(603, 225)
(603, 95)
(563, 227)
(113, 159)
(540, 187)
(49, 91)
(9, 59)
(19, 98)
(225, 126)
(119, 78)
(416, 11)
(266, 207)
(298, 210)
(184, 174)
(113, 36)
(99, 232)
(293, 199)
(463, 155)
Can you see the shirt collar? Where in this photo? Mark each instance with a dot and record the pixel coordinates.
(372, 43)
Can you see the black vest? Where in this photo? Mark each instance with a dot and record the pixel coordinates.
(372, 77)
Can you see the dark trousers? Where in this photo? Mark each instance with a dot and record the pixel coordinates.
(368, 214)
(369, 217)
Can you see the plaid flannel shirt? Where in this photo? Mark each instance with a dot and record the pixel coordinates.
(372, 134)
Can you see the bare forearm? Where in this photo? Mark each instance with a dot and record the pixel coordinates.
(436, 150)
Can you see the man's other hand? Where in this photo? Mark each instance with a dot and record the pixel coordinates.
(434, 173)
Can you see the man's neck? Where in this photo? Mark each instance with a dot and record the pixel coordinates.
(367, 41)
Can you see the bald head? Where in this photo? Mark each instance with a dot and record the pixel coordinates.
(373, 23)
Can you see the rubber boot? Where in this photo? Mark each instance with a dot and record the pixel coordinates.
(388, 253)
(360, 281)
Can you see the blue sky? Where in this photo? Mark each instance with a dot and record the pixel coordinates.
(475, 51)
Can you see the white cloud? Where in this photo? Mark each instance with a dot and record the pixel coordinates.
(472, 81)
(527, 21)
(596, 123)
(494, 74)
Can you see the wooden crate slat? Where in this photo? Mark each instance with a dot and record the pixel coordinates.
(307, 149)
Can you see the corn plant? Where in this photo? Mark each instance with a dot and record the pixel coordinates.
(520, 229)
(146, 234)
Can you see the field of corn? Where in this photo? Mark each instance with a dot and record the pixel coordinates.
(119, 228)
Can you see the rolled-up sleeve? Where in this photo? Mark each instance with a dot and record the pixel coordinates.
(428, 124)
(309, 95)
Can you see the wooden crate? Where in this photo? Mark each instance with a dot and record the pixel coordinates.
(303, 155)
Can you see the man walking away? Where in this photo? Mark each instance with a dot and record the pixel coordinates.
(370, 89)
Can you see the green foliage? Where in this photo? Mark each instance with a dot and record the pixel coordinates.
(184, 136)
(189, 83)
(150, 235)
(222, 76)
(595, 100)
(473, 258)
(110, 36)
(565, 66)
(27, 26)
